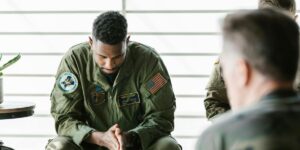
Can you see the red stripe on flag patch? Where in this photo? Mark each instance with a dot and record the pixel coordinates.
(156, 83)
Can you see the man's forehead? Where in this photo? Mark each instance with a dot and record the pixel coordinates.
(111, 54)
(109, 50)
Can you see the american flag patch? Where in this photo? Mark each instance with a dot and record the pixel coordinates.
(156, 83)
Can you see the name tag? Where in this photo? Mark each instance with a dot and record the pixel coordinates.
(128, 99)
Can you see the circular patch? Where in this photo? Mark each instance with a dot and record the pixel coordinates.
(67, 82)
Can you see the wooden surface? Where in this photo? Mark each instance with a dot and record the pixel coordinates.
(16, 109)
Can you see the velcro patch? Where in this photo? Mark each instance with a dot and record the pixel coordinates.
(67, 82)
(217, 61)
(98, 95)
(156, 83)
(128, 99)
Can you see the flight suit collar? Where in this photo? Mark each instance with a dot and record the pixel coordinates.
(279, 93)
(126, 68)
(100, 78)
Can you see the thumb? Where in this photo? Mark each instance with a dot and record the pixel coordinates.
(118, 131)
(114, 127)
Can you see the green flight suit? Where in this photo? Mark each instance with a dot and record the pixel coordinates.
(216, 101)
(270, 124)
(141, 99)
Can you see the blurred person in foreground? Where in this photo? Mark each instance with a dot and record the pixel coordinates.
(216, 101)
(259, 61)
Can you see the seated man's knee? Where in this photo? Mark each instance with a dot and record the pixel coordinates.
(62, 143)
(166, 143)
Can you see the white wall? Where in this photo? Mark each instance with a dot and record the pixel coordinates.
(185, 32)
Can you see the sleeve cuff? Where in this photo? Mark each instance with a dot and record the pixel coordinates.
(146, 137)
(82, 134)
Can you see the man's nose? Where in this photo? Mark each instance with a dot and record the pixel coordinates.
(109, 64)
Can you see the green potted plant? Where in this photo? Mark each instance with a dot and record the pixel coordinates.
(2, 67)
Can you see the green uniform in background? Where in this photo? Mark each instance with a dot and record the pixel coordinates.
(216, 101)
(270, 124)
(140, 98)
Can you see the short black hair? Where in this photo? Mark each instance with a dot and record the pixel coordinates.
(288, 5)
(268, 39)
(110, 27)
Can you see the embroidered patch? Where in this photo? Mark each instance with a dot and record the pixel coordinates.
(67, 82)
(156, 83)
(217, 61)
(128, 99)
(99, 88)
(97, 95)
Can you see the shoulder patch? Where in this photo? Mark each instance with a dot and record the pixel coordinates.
(217, 61)
(67, 82)
(156, 83)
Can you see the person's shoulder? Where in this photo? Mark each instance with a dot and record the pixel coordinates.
(232, 121)
(217, 131)
(216, 81)
(249, 117)
(142, 51)
(80, 48)
(82, 45)
(217, 61)
(244, 125)
(140, 46)
(78, 51)
(221, 121)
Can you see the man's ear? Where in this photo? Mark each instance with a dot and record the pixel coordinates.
(90, 41)
(296, 17)
(245, 71)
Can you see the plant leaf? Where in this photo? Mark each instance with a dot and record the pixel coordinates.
(10, 62)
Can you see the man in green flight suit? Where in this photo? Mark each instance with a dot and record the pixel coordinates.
(259, 60)
(216, 101)
(112, 93)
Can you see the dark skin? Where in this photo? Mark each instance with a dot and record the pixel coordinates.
(109, 58)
